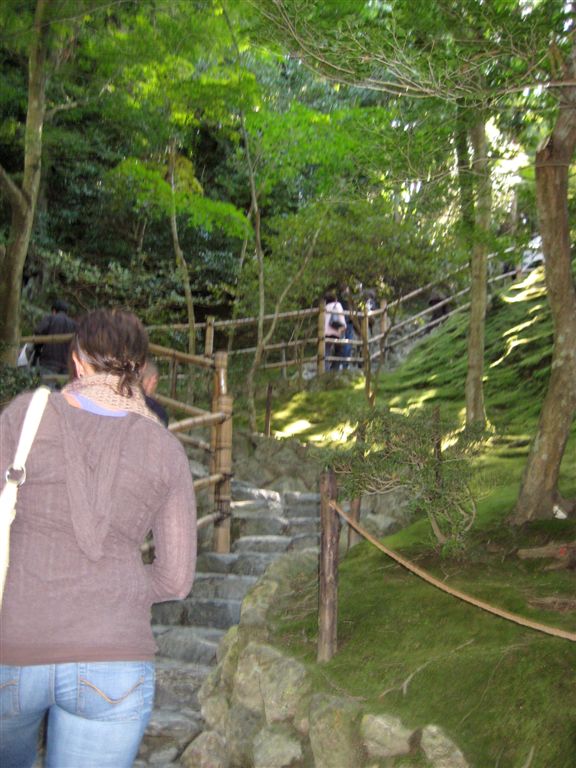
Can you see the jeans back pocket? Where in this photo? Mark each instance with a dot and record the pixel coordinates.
(115, 690)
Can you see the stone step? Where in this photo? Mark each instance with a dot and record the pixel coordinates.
(244, 491)
(244, 563)
(249, 522)
(188, 644)
(198, 612)
(222, 585)
(305, 541)
(257, 506)
(177, 683)
(301, 504)
(167, 735)
(296, 526)
(262, 544)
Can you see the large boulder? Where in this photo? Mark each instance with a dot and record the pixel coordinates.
(440, 750)
(275, 748)
(334, 733)
(385, 736)
(207, 751)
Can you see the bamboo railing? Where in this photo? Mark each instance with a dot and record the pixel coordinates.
(378, 331)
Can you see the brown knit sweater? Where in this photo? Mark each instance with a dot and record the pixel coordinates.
(76, 588)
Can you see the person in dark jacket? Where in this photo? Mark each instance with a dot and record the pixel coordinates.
(53, 357)
(149, 385)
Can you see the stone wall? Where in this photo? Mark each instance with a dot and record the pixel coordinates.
(261, 710)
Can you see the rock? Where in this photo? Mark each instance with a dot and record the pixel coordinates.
(176, 728)
(215, 711)
(385, 736)
(274, 749)
(284, 685)
(255, 606)
(163, 756)
(241, 730)
(227, 656)
(254, 659)
(207, 751)
(333, 732)
(440, 750)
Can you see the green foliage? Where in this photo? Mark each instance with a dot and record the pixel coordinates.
(15, 380)
(428, 461)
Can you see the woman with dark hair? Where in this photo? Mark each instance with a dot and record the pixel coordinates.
(75, 638)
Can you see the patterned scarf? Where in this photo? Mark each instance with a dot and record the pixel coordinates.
(103, 388)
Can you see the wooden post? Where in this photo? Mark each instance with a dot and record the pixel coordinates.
(173, 377)
(283, 356)
(268, 417)
(328, 570)
(221, 447)
(384, 325)
(209, 338)
(437, 447)
(321, 356)
(366, 362)
(353, 536)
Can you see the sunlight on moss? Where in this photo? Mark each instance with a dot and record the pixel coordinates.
(518, 328)
(510, 347)
(295, 428)
(530, 288)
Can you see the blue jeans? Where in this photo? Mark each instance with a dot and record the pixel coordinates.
(97, 713)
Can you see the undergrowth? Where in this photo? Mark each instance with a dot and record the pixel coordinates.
(504, 693)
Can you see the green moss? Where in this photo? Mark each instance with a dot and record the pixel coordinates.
(501, 691)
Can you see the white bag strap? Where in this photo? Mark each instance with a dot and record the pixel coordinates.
(29, 428)
(16, 475)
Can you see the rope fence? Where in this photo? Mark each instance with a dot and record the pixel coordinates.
(330, 514)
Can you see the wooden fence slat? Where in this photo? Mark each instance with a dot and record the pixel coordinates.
(328, 586)
(181, 357)
(195, 441)
(207, 420)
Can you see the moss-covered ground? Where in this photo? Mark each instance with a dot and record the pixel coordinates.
(506, 694)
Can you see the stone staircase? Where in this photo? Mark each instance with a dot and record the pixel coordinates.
(265, 524)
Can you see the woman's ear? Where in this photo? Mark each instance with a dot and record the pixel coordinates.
(78, 366)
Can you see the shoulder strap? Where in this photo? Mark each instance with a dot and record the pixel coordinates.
(30, 426)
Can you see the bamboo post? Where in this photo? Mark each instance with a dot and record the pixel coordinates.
(353, 536)
(366, 362)
(384, 324)
(437, 447)
(221, 445)
(209, 337)
(321, 339)
(328, 575)
(283, 356)
(173, 377)
(268, 417)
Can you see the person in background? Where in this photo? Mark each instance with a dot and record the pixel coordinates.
(53, 358)
(150, 385)
(346, 351)
(334, 327)
(76, 646)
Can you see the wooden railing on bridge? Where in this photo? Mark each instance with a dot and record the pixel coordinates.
(218, 419)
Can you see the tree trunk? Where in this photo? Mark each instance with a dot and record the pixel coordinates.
(539, 489)
(475, 413)
(23, 199)
(180, 259)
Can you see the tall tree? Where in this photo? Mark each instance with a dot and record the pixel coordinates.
(515, 47)
(539, 495)
(22, 196)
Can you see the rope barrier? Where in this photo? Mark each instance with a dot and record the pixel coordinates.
(422, 574)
